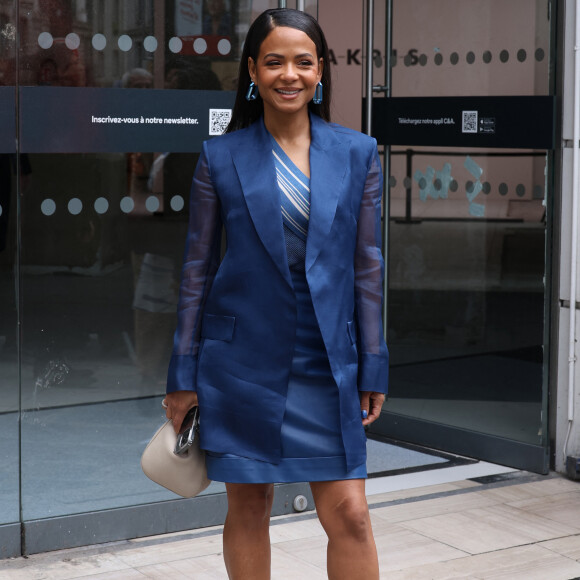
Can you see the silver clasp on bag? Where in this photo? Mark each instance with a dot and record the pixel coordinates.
(188, 432)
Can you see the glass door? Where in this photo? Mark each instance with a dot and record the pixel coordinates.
(12, 169)
(466, 124)
(115, 98)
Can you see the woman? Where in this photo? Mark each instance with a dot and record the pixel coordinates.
(282, 341)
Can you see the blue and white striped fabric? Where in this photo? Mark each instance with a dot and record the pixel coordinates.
(295, 189)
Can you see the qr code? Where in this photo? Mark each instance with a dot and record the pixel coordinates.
(218, 120)
(469, 122)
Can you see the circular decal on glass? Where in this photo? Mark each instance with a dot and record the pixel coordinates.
(48, 207)
(72, 41)
(175, 45)
(199, 45)
(224, 46)
(99, 41)
(152, 204)
(45, 40)
(127, 205)
(150, 44)
(101, 205)
(125, 43)
(177, 203)
(75, 206)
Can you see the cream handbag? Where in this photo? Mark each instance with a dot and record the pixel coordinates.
(184, 474)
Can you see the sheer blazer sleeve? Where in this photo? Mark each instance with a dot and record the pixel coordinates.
(369, 273)
(200, 263)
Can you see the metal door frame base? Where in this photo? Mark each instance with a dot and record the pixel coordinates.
(127, 523)
(481, 446)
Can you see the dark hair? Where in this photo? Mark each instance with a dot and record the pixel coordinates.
(246, 112)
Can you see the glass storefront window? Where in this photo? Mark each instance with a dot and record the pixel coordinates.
(103, 225)
(10, 165)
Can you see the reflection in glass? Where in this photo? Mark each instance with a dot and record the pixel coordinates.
(9, 395)
(102, 242)
(467, 232)
(10, 165)
(466, 288)
(96, 46)
(478, 50)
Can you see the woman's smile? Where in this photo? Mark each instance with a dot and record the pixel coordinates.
(288, 92)
(286, 71)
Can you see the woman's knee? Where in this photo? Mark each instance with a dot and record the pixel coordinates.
(356, 520)
(347, 518)
(251, 503)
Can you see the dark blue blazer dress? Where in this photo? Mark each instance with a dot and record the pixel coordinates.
(237, 318)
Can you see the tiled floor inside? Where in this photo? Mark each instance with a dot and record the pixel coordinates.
(467, 522)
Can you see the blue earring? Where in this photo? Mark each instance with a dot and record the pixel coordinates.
(317, 99)
(252, 92)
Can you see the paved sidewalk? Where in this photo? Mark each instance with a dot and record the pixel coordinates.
(509, 527)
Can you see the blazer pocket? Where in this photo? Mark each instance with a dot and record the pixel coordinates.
(351, 327)
(218, 327)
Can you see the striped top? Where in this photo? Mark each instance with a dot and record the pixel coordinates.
(295, 192)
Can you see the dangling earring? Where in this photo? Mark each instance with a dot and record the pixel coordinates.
(317, 99)
(252, 94)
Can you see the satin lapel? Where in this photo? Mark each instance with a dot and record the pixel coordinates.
(255, 168)
(328, 166)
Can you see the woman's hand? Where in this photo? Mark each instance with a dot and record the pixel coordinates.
(178, 403)
(372, 403)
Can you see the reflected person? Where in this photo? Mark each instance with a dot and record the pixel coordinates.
(153, 272)
(216, 19)
(154, 247)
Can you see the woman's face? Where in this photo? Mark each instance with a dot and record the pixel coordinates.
(286, 70)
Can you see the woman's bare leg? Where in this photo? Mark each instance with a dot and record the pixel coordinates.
(344, 514)
(247, 531)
